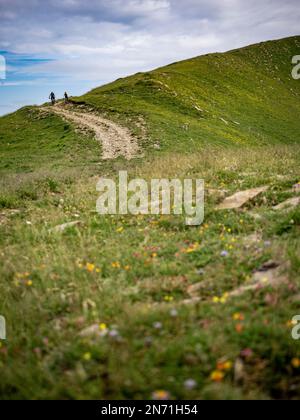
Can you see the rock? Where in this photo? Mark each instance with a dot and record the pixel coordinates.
(239, 371)
(288, 204)
(191, 301)
(253, 239)
(93, 331)
(239, 199)
(62, 228)
(270, 274)
(194, 288)
(296, 188)
(255, 216)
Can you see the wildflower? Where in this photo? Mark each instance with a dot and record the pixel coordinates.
(192, 248)
(157, 325)
(246, 353)
(120, 230)
(127, 268)
(87, 357)
(29, 283)
(239, 328)
(90, 267)
(291, 323)
(224, 366)
(296, 363)
(116, 264)
(216, 299)
(114, 333)
(224, 254)
(238, 317)
(217, 376)
(174, 313)
(224, 298)
(190, 384)
(168, 298)
(161, 395)
(102, 327)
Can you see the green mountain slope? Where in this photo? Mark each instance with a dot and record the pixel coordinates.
(243, 96)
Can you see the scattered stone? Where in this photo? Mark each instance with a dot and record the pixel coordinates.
(288, 204)
(239, 199)
(296, 188)
(191, 301)
(194, 288)
(239, 371)
(93, 331)
(270, 274)
(253, 239)
(255, 216)
(62, 228)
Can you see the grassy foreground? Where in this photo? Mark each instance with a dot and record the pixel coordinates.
(129, 276)
(99, 311)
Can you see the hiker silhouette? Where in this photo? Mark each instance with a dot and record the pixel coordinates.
(52, 98)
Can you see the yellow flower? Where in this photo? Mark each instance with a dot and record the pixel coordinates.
(216, 299)
(161, 395)
(102, 327)
(120, 230)
(127, 268)
(115, 264)
(90, 267)
(291, 323)
(29, 283)
(217, 376)
(226, 366)
(169, 298)
(238, 317)
(296, 363)
(87, 357)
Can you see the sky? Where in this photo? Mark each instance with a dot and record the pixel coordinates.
(76, 45)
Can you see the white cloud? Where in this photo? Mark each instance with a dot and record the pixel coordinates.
(99, 40)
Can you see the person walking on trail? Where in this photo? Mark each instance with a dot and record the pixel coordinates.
(52, 98)
(66, 97)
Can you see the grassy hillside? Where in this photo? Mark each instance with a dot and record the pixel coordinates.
(128, 278)
(245, 96)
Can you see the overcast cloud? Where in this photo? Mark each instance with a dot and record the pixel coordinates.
(79, 44)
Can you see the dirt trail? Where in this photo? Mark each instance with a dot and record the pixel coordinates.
(116, 140)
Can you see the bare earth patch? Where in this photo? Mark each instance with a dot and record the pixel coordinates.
(116, 140)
